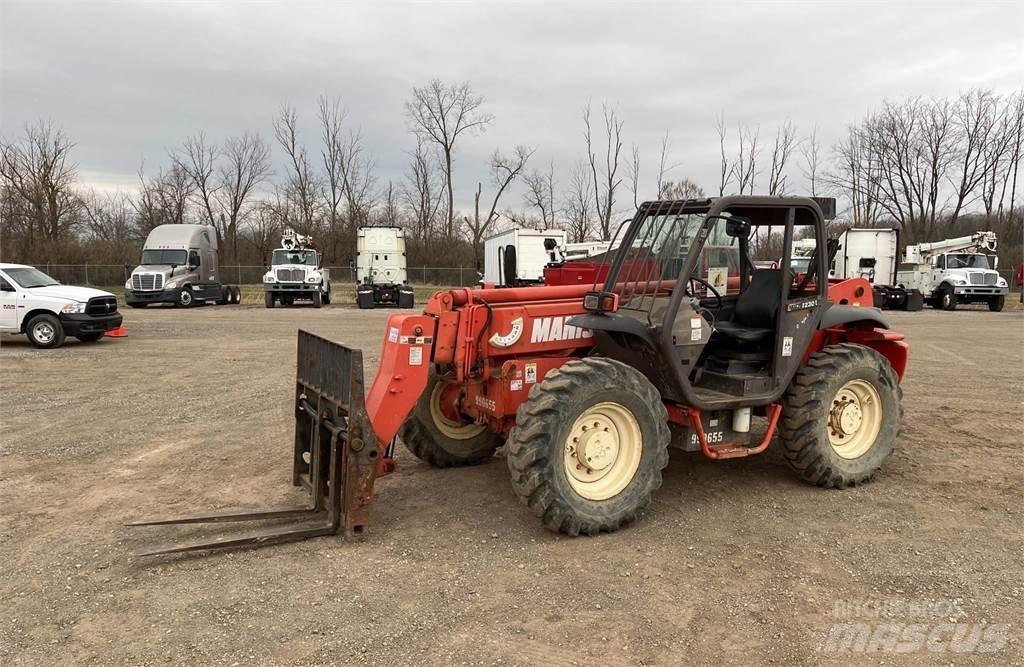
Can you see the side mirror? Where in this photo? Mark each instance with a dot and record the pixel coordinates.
(737, 227)
(995, 262)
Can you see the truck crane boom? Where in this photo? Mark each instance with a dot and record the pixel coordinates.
(976, 242)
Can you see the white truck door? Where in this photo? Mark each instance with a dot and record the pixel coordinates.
(8, 305)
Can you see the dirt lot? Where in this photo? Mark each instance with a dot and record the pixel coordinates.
(735, 562)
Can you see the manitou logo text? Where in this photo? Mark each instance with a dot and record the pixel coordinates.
(551, 329)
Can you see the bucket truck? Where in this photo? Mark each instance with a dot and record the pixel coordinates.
(952, 271)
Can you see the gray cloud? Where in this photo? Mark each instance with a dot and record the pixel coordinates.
(129, 80)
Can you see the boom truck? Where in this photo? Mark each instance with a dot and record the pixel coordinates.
(955, 271)
(588, 386)
(296, 272)
(179, 265)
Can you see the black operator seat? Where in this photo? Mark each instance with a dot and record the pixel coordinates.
(753, 319)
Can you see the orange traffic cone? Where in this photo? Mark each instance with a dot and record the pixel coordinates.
(117, 333)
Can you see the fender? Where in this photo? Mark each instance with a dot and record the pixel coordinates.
(840, 315)
(613, 323)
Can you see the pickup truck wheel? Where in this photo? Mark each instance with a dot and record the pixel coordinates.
(996, 303)
(947, 298)
(268, 299)
(89, 338)
(317, 299)
(185, 298)
(45, 331)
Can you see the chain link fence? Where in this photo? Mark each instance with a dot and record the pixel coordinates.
(115, 275)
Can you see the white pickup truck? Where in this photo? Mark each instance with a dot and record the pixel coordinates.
(34, 304)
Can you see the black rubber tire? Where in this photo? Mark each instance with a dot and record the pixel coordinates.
(996, 303)
(225, 296)
(236, 295)
(947, 298)
(89, 338)
(427, 443)
(185, 299)
(534, 446)
(317, 299)
(55, 325)
(268, 299)
(803, 429)
(327, 295)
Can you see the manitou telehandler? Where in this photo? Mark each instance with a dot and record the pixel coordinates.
(587, 386)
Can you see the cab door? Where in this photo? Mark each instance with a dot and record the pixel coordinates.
(9, 298)
(804, 298)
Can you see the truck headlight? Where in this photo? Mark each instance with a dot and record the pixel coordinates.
(313, 277)
(959, 281)
(171, 285)
(73, 307)
(1001, 282)
(268, 277)
(128, 284)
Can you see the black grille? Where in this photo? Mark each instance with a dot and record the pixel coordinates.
(101, 305)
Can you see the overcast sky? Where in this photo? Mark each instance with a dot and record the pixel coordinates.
(129, 80)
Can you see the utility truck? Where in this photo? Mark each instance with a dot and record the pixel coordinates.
(955, 271)
(34, 304)
(521, 257)
(296, 272)
(179, 266)
(381, 278)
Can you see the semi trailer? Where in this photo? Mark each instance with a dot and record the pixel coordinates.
(179, 265)
(873, 254)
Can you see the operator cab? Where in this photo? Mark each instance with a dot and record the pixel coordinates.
(694, 312)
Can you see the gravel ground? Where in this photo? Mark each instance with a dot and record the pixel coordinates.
(735, 563)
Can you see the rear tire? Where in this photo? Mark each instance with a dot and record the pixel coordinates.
(947, 298)
(996, 303)
(589, 408)
(441, 441)
(841, 416)
(268, 299)
(45, 331)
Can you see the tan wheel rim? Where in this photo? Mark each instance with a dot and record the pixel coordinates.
(854, 419)
(602, 451)
(449, 427)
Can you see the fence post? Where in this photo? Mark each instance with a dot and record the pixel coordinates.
(461, 281)
(87, 274)
(424, 276)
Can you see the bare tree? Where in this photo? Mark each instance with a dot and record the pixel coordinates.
(163, 199)
(664, 167)
(857, 172)
(504, 170)
(108, 217)
(390, 213)
(682, 189)
(198, 159)
(39, 181)
(810, 152)
(634, 176)
(785, 142)
(605, 177)
(725, 172)
(576, 206)
(747, 153)
(245, 166)
(332, 154)
(441, 113)
(540, 194)
(262, 229)
(301, 185)
(422, 193)
(975, 121)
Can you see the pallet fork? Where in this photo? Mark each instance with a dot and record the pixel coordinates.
(337, 457)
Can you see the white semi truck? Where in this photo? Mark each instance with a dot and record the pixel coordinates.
(179, 266)
(296, 272)
(955, 271)
(381, 278)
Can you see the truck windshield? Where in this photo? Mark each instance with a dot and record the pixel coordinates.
(967, 262)
(175, 257)
(307, 257)
(28, 277)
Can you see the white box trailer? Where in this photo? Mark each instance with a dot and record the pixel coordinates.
(381, 277)
(518, 256)
(874, 255)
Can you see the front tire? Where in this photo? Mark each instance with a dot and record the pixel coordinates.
(436, 434)
(268, 299)
(185, 299)
(317, 299)
(327, 295)
(45, 331)
(947, 298)
(589, 446)
(996, 303)
(841, 416)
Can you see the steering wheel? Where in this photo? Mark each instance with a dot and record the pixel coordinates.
(709, 286)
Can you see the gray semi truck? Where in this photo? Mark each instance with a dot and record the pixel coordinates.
(179, 265)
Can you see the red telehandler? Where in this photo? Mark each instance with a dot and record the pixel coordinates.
(587, 386)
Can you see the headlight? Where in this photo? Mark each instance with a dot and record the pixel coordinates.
(1001, 282)
(128, 284)
(73, 307)
(171, 285)
(312, 278)
(958, 281)
(268, 277)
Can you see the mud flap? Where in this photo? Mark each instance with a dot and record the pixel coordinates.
(336, 456)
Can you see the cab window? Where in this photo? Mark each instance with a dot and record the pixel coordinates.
(193, 258)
